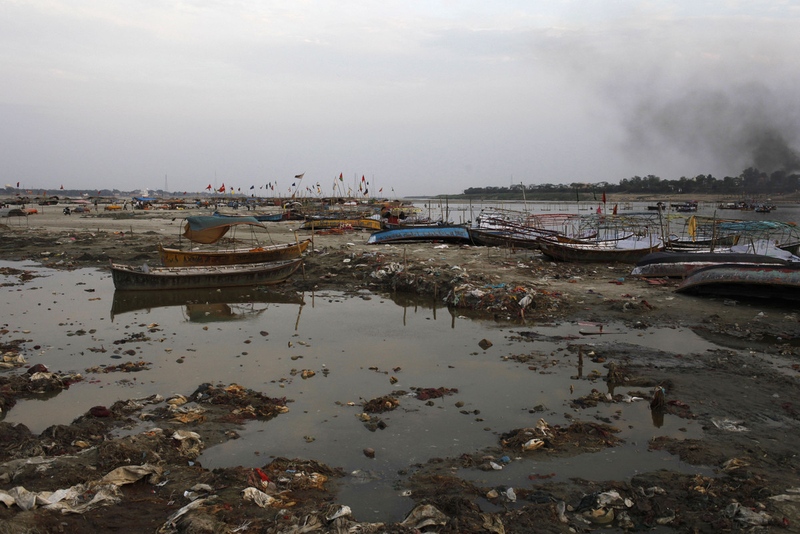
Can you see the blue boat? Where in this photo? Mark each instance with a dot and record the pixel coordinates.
(443, 233)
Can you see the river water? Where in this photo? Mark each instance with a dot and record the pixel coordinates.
(354, 345)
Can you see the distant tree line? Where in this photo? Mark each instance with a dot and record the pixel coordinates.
(750, 183)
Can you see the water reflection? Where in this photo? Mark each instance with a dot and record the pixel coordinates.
(205, 305)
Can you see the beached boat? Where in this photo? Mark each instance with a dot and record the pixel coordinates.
(131, 278)
(209, 230)
(172, 257)
(669, 264)
(503, 238)
(449, 234)
(620, 251)
(732, 280)
(327, 224)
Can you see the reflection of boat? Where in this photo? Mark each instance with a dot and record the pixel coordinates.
(763, 281)
(251, 274)
(450, 234)
(622, 251)
(179, 258)
(680, 264)
(202, 304)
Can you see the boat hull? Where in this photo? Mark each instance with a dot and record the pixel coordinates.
(500, 238)
(682, 264)
(127, 278)
(758, 281)
(450, 234)
(591, 253)
(171, 257)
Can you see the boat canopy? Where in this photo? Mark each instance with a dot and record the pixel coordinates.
(208, 229)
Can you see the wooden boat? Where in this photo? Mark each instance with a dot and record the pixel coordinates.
(212, 301)
(326, 224)
(503, 238)
(732, 280)
(670, 264)
(172, 257)
(449, 234)
(210, 229)
(623, 251)
(130, 278)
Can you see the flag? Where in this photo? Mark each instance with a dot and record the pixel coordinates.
(62, 186)
(604, 197)
(341, 178)
(299, 176)
(252, 187)
(293, 184)
(221, 189)
(208, 187)
(380, 190)
(363, 179)
(17, 184)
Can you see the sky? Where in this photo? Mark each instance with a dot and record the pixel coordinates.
(419, 97)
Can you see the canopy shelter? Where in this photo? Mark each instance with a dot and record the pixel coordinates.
(210, 229)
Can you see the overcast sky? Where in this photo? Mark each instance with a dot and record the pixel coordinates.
(419, 97)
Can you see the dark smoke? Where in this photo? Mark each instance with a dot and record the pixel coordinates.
(732, 129)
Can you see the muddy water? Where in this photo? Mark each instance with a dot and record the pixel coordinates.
(355, 345)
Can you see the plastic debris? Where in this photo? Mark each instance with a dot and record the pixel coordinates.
(257, 496)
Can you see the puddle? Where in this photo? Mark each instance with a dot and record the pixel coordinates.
(359, 348)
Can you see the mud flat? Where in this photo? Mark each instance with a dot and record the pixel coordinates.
(111, 474)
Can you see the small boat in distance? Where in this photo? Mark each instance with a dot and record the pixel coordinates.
(130, 278)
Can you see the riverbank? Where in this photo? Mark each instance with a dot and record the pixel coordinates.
(744, 399)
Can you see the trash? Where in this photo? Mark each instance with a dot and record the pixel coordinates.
(730, 425)
(335, 511)
(533, 444)
(511, 495)
(257, 496)
(90, 494)
(369, 452)
(190, 443)
(737, 512)
(425, 515)
(484, 344)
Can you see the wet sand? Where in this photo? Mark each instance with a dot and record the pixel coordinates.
(745, 400)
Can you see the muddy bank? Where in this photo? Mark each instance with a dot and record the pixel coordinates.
(133, 466)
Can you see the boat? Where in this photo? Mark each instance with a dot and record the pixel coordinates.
(210, 302)
(732, 280)
(130, 278)
(327, 224)
(620, 251)
(671, 264)
(172, 257)
(209, 230)
(443, 233)
(503, 238)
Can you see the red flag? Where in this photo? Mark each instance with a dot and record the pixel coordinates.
(341, 178)
(208, 187)
(62, 186)
(363, 179)
(604, 197)
(221, 189)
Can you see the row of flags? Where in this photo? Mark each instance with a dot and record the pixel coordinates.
(363, 185)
